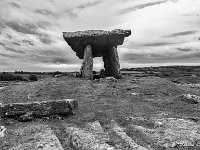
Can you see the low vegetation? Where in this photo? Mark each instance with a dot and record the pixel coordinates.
(10, 77)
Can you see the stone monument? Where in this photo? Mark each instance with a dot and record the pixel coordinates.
(97, 43)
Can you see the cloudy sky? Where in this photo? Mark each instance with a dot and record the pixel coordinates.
(164, 32)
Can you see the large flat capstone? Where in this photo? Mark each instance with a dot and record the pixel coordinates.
(100, 40)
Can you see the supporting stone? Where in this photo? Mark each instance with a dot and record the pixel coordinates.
(106, 64)
(87, 65)
(111, 63)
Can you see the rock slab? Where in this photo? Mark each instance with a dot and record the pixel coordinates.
(39, 109)
(100, 40)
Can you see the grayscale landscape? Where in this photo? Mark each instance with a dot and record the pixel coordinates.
(100, 75)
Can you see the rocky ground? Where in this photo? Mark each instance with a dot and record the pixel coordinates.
(133, 113)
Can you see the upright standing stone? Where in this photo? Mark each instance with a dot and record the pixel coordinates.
(104, 43)
(87, 65)
(111, 63)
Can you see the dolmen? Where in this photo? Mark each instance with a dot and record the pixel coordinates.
(97, 43)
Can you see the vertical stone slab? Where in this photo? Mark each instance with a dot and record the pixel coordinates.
(111, 63)
(87, 65)
(106, 64)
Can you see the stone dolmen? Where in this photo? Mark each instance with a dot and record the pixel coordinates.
(97, 43)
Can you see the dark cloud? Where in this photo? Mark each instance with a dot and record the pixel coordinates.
(157, 44)
(6, 55)
(9, 36)
(61, 61)
(15, 43)
(1, 24)
(2, 44)
(181, 33)
(70, 14)
(184, 49)
(27, 41)
(49, 52)
(189, 56)
(46, 12)
(22, 28)
(52, 59)
(89, 4)
(45, 39)
(14, 5)
(141, 6)
(13, 50)
(44, 24)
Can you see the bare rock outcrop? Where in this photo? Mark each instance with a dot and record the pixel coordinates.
(192, 99)
(94, 137)
(33, 137)
(169, 133)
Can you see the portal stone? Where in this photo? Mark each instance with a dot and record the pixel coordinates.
(87, 65)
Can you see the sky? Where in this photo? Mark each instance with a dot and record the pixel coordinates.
(164, 32)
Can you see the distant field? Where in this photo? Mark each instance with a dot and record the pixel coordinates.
(132, 72)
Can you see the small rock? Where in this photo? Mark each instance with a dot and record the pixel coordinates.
(135, 94)
(193, 99)
(111, 79)
(2, 131)
(27, 117)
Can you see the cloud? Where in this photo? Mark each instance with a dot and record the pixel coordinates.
(90, 4)
(15, 43)
(70, 13)
(47, 13)
(9, 36)
(22, 28)
(45, 39)
(13, 50)
(182, 33)
(44, 24)
(184, 49)
(1, 24)
(15, 5)
(2, 44)
(158, 44)
(141, 6)
(38, 25)
(27, 41)
(6, 55)
(61, 61)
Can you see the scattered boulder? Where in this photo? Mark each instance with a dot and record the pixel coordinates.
(26, 117)
(192, 99)
(25, 111)
(2, 131)
(58, 75)
(111, 79)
